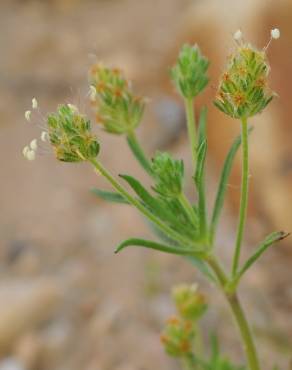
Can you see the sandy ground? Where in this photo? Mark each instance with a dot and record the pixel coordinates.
(67, 301)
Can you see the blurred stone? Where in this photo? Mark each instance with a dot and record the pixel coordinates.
(11, 363)
(24, 305)
(28, 350)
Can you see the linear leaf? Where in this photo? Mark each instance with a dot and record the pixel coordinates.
(218, 205)
(200, 184)
(109, 196)
(154, 204)
(270, 239)
(139, 154)
(157, 246)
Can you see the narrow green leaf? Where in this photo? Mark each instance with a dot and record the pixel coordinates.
(139, 153)
(270, 239)
(223, 186)
(152, 203)
(109, 196)
(201, 156)
(200, 184)
(157, 246)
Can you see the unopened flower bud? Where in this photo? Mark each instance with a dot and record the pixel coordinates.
(189, 73)
(168, 174)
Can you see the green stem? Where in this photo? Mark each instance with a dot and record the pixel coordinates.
(191, 123)
(244, 196)
(189, 362)
(188, 208)
(239, 315)
(167, 230)
(139, 152)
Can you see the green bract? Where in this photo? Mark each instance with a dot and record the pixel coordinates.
(116, 107)
(243, 88)
(168, 174)
(70, 135)
(189, 73)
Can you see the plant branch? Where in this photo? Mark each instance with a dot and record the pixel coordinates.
(244, 196)
(191, 123)
(238, 314)
(166, 229)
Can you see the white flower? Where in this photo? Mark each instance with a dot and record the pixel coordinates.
(92, 92)
(44, 136)
(34, 103)
(237, 35)
(73, 108)
(30, 155)
(275, 33)
(27, 115)
(25, 150)
(34, 144)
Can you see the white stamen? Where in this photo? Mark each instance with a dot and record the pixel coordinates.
(237, 35)
(25, 150)
(92, 92)
(30, 155)
(275, 33)
(27, 115)
(44, 136)
(73, 108)
(34, 144)
(34, 103)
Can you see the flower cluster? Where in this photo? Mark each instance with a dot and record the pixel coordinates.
(178, 337)
(70, 135)
(68, 132)
(168, 174)
(116, 107)
(189, 73)
(243, 88)
(180, 331)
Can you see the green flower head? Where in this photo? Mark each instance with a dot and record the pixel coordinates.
(190, 303)
(117, 109)
(243, 87)
(69, 133)
(178, 336)
(189, 73)
(168, 174)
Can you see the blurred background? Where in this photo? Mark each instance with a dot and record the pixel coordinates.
(66, 301)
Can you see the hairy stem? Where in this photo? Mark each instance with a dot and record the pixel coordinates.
(238, 314)
(119, 188)
(244, 196)
(191, 123)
